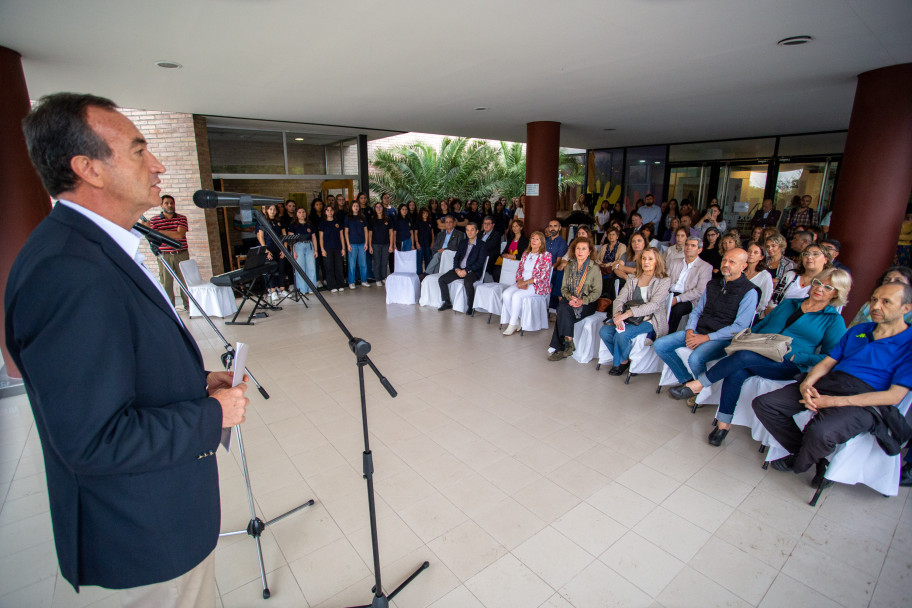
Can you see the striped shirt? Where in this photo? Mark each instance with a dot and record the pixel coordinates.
(160, 223)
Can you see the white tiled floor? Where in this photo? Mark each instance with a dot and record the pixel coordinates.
(523, 482)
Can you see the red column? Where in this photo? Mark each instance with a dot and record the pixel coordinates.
(542, 144)
(24, 202)
(875, 178)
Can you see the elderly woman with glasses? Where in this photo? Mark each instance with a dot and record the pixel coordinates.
(815, 327)
(797, 283)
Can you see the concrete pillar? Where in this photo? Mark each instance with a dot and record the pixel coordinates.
(875, 178)
(542, 145)
(24, 202)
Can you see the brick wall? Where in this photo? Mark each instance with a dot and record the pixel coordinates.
(173, 138)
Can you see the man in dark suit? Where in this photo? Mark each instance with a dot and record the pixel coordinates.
(448, 238)
(766, 215)
(129, 420)
(470, 259)
(491, 239)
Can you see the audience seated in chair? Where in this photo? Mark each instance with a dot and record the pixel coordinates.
(448, 238)
(580, 291)
(470, 260)
(852, 390)
(558, 248)
(726, 307)
(797, 283)
(531, 279)
(689, 276)
(650, 288)
(894, 274)
(491, 239)
(815, 327)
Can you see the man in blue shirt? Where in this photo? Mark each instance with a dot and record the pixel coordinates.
(557, 247)
(651, 213)
(725, 308)
(852, 391)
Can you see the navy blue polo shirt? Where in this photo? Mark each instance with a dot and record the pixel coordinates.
(355, 230)
(403, 227)
(304, 231)
(880, 363)
(332, 234)
(380, 231)
(425, 233)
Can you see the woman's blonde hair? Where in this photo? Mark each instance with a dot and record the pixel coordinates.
(659, 263)
(541, 246)
(841, 280)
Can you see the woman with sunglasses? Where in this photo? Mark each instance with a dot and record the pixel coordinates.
(797, 283)
(813, 324)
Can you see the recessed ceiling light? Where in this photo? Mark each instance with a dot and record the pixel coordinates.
(795, 40)
(169, 65)
(658, 162)
(299, 139)
(480, 109)
(641, 161)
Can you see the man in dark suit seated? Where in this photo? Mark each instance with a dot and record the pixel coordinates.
(470, 259)
(448, 238)
(491, 239)
(766, 215)
(128, 418)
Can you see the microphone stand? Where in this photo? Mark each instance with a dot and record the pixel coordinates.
(255, 526)
(360, 348)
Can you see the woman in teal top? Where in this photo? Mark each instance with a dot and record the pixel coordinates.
(815, 327)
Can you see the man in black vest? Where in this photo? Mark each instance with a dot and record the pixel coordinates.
(726, 307)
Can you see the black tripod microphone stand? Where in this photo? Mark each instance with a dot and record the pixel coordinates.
(360, 348)
(255, 526)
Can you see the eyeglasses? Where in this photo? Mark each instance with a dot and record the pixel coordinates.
(811, 254)
(819, 283)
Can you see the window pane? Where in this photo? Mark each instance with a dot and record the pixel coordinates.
(812, 145)
(721, 150)
(306, 155)
(645, 174)
(246, 151)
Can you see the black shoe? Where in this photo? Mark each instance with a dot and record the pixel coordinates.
(445, 306)
(623, 367)
(820, 480)
(471, 312)
(681, 392)
(905, 476)
(615, 371)
(716, 437)
(784, 464)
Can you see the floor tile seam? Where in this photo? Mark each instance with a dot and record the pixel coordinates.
(750, 557)
(773, 525)
(825, 593)
(648, 593)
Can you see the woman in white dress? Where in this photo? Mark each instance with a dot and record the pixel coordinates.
(531, 279)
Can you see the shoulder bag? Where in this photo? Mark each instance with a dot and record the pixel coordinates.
(771, 346)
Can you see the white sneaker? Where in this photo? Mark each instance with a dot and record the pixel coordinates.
(351, 285)
(283, 294)
(273, 296)
(365, 284)
(511, 329)
(333, 290)
(380, 283)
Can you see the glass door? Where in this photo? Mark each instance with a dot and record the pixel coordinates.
(689, 183)
(813, 177)
(741, 188)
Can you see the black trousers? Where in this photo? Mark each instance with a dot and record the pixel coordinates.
(563, 327)
(828, 428)
(678, 312)
(450, 276)
(334, 269)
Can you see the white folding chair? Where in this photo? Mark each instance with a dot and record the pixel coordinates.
(458, 292)
(534, 314)
(489, 296)
(430, 288)
(403, 286)
(217, 301)
(643, 358)
(586, 337)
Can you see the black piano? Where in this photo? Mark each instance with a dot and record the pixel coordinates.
(243, 281)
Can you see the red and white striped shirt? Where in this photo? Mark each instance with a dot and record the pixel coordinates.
(160, 223)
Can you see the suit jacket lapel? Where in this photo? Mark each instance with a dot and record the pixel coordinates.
(118, 256)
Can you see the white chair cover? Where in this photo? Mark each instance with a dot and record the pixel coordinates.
(489, 296)
(586, 337)
(217, 301)
(458, 292)
(859, 460)
(430, 288)
(402, 286)
(668, 378)
(534, 315)
(643, 358)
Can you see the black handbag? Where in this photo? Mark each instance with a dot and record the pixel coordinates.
(627, 306)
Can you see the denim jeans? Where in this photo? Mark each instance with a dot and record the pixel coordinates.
(708, 351)
(735, 369)
(305, 252)
(621, 342)
(356, 257)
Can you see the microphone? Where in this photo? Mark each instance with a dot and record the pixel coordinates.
(210, 199)
(155, 237)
